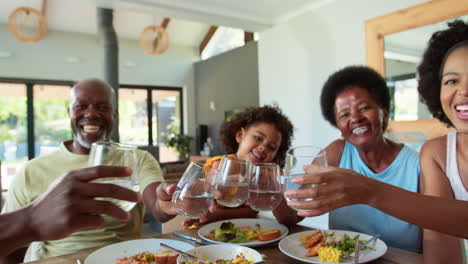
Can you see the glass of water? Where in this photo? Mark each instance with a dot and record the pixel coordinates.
(193, 195)
(296, 159)
(116, 154)
(231, 180)
(265, 187)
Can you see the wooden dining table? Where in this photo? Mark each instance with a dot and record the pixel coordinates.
(271, 252)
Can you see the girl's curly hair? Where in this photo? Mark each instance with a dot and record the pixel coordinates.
(430, 69)
(254, 115)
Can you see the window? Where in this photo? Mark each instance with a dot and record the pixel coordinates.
(51, 121)
(13, 130)
(167, 113)
(133, 112)
(405, 97)
(166, 108)
(34, 119)
(223, 40)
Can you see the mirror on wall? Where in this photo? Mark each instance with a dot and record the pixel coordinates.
(395, 43)
(402, 53)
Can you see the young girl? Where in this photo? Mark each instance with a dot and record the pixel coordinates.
(443, 86)
(259, 134)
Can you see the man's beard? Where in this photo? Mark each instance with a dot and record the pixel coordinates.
(86, 144)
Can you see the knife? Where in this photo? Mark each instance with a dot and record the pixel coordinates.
(196, 240)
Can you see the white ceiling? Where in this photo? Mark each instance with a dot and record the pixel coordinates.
(190, 19)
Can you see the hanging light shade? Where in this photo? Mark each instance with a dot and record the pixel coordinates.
(27, 24)
(154, 40)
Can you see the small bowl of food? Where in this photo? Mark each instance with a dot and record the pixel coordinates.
(221, 252)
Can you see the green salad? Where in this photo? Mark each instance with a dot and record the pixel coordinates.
(226, 232)
(344, 243)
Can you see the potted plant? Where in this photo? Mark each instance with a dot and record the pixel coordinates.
(173, 138)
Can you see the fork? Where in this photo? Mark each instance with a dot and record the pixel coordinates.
(358, 246)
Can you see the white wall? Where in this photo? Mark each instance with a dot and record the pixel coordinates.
(295, 59)
(47, 59)
(230, 80)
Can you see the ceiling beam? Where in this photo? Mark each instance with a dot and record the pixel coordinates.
(165, 22)
(207, 38)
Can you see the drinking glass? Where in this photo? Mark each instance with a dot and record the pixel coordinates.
(231, 180)
(116, 154)
(296, 159)
(193, 195)
(265, 187)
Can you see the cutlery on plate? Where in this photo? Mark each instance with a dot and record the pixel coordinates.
(183, 253)
(78, 261)
(196, 240)
(356, 251)
(359, 246)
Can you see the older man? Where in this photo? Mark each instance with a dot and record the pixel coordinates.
(58, 212)
(92, 115)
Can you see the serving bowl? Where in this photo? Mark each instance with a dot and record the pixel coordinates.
(221, 251)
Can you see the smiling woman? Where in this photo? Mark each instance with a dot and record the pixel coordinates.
(443, 87)
(356, 100)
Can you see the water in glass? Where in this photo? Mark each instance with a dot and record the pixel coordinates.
(296, 159)
(231, 180)
(264, 187)
(193, 195)
(116, 154)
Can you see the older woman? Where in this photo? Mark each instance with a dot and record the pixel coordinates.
(356, 100)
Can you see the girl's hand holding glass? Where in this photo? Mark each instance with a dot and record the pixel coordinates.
(193, 195)
(265, 187)
(231, 180)
(116, 154)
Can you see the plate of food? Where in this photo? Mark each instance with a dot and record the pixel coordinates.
(138, 251)
(250, 232)
(222, 254)
(330, 246)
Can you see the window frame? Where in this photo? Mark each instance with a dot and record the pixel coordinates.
(394, 79)
(30, 104)
(149, 105)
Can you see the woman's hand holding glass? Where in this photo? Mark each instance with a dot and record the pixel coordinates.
(116, 154)
(296, 161)
(193, 195)
(264, 187)
(336, 188)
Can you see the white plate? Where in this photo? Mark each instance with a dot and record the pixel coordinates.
(108, 254)
(292, 246)
(222, 251)
(264, 223)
